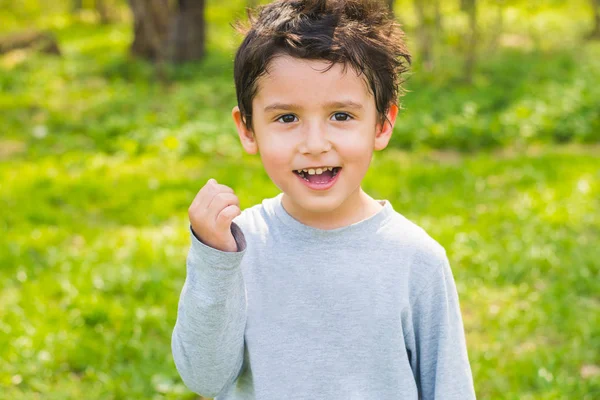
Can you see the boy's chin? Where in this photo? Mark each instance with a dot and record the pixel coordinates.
(314, 204)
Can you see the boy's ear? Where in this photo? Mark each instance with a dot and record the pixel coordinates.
(384, 130)
(246, 135)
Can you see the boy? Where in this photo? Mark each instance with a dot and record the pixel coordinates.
(321, 292)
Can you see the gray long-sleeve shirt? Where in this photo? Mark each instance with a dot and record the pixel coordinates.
(366, 311)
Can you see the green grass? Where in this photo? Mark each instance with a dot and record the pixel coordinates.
(99, 163)
(94, 258)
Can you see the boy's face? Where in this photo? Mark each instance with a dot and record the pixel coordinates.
(304, 118)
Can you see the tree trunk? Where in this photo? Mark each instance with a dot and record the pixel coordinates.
(470, 6)
(77, 5)
(498, 28)
(165, 34)
(186, 37)
(103, 11)
(438, 16)
(151, 21)
(425, 34)
(595, 34)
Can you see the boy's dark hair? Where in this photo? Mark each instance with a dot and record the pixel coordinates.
(359, 33)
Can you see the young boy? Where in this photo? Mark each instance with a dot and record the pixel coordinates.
(321, 292)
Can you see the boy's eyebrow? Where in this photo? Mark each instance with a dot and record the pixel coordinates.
(333, 104)
(282, 106)
(344, 104)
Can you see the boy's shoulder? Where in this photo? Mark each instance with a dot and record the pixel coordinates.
(426, 264)
(402, 235)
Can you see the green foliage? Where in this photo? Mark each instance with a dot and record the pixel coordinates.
(99, 162)
(516, 99)
(97, 98)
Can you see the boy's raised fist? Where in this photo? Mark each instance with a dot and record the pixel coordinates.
(211, 213)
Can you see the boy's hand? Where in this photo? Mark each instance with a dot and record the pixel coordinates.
(211, 213)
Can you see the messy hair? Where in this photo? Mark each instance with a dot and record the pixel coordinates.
(361, 34)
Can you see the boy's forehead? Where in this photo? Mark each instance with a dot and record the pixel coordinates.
(288, 77)
(284, 63)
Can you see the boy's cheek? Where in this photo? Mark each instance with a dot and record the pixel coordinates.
(354, 148)
(273, 157)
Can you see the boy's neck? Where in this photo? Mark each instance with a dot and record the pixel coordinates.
(357, 207)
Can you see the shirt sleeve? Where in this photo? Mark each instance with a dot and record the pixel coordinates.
(436, 342)
(208, 337)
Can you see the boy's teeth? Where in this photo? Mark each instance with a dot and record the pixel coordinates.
(317, 171)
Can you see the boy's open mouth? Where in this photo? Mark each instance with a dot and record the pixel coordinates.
(318, 175)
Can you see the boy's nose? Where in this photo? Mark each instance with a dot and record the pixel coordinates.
(315, 140)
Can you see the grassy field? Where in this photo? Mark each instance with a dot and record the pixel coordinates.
(94, 254)
(99, 162)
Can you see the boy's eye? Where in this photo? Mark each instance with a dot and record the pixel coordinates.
(341, 116)
(287, 118)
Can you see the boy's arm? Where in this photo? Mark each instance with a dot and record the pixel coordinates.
(436, 343)
(208, 338)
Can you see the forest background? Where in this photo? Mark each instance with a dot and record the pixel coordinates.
(113, 115)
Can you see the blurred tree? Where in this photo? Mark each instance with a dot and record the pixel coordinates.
(186, 40)
(430, 23)
(103, 11)
(150, 25)
(470, 7)
(77, 5)
(168, 31)
(498, 25)
(595, 34)
(104, 8)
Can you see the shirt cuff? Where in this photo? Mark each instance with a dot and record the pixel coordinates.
(205, 254)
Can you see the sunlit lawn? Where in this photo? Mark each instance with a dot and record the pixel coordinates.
(93, 259)
(99, 162)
